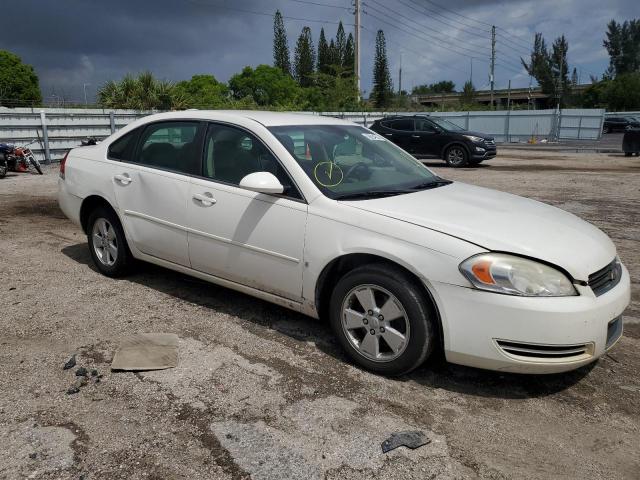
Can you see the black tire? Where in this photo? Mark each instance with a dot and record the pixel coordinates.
(123, 259)
(36, 165)
(606, 129)
(3, 171)
(456, 156)
(628, 154)
(422, 338)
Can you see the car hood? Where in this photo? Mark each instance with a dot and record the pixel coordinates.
(502, 222)
(475, 134)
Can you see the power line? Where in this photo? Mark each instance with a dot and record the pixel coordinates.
(416, 52)
(308, 2)
(457, 20)
(447, 47)
(458, 14)
(422, 25)
(265, 14)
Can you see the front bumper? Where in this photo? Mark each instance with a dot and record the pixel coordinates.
(483, 152)
(488, 330)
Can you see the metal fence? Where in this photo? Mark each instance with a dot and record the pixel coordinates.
(56, 130)
(512, 125)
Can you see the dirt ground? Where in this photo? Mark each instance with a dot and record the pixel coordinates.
(264, 393)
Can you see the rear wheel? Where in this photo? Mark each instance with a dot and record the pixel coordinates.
(382, 319)
(107, 243)
(456, 156)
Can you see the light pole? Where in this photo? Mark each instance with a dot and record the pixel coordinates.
(84, 88)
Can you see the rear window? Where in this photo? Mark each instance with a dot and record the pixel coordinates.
(122, 148)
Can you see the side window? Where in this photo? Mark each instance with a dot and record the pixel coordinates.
(171, 146)
(403, 124)
(425, 126)
(232, 153)
(122, 148)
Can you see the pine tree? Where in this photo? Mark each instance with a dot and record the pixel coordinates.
(333, 58)
(323, 53)
(350, 56)
(341, 45)
(382, 92)
(304, 58)
(280, 45)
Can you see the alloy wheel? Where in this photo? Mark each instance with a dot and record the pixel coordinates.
(105, 242)
(375, 323)
(455, 156)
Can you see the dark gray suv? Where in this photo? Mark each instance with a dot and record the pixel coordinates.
(423, 135)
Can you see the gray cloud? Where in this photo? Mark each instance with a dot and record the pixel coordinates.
(72, 42)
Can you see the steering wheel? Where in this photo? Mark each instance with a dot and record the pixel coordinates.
(360, 168)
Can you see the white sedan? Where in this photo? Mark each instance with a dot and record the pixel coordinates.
(330, 219)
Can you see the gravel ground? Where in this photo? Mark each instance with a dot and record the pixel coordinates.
(261, 392)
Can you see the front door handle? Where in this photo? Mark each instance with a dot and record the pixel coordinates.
(388, 134)
(415, 136)
(206, 199)
(123, 178)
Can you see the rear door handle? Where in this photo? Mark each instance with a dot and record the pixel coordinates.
(206, 199)
(123, 178)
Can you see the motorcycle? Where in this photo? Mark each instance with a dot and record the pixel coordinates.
(20, 158)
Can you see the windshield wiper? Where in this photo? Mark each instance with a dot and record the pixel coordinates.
(438, 182)
(372, 194)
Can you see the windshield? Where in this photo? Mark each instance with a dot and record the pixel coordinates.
(351, 161)
(446, 124)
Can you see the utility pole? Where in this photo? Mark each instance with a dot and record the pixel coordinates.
(493, 60)
(400, 77)
(358, 8)
(471, 72)
(84, 88)
(509, 96)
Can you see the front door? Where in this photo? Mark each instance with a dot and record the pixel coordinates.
(250, 238)
(400, 132)
(427, 138)
(152, 189)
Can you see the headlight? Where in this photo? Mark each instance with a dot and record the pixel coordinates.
(502, 273)
(474, 138)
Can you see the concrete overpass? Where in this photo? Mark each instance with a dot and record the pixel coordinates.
(518, 96)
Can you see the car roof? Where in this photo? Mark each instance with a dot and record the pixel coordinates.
(268, 119)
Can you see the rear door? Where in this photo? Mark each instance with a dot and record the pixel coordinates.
(400, 131)
(153, 187)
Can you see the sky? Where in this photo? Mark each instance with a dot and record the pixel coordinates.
(77, 45)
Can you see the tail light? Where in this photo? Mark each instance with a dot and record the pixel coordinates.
(63, 163)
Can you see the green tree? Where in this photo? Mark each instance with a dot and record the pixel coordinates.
(334, 56)
(468, 96)
(281, 57)
(349, 55)
(443, 86)
(304, 58)
(266, 85)
(18, 81)
(623, 45)
(323, 53)
(341, 45)
(336, 91)
(382, 92)
(550, 69)
(203, 91)
(143, 92)
(623, 92)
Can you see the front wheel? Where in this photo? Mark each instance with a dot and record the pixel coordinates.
(3, 170)
(107, 243)
(36, 164)
(456, 156)
(382, 319)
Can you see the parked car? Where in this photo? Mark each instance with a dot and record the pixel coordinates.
(330, 219)
(423, 135)
(619, 124)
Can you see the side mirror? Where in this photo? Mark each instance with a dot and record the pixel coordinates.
(262, 182)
